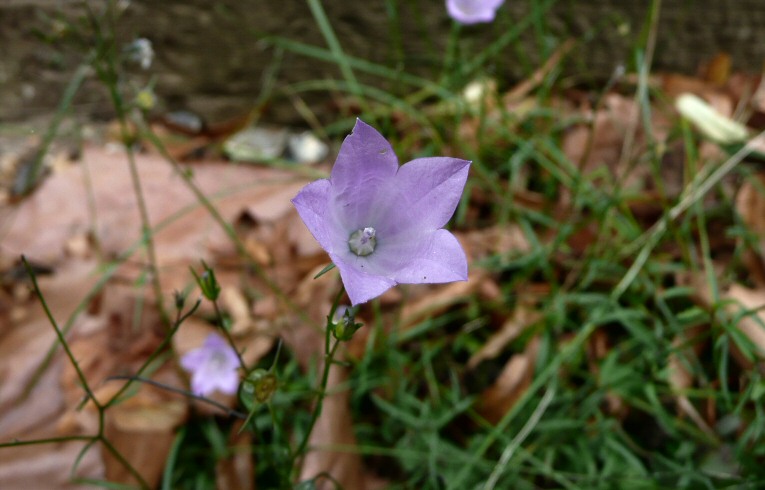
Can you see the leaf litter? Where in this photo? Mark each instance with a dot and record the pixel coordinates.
(86, 213)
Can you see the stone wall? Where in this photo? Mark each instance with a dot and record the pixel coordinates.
(211, 57)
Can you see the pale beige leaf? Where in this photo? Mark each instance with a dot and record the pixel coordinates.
(334, 428)
(521, 319)
(511, 384)
(750, 205)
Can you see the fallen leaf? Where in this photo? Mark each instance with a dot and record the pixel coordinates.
(512, 383)
(332, 468)
(745, 305)
(236, 471)
(142, 430)
(440, 298)
(43, 223)
(751, 324)
(750, 205)
(522, 318)
(686, 347)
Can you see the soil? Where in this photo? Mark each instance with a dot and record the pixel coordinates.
(213, 58)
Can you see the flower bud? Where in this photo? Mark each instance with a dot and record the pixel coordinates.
(261, 384)
(207, 283)
(344, 324)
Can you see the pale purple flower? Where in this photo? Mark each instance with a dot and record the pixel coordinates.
(473, 11)
(382, 224)
(213, 367)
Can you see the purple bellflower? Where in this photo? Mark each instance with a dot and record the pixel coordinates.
(213, 367)
(473, 11)
(382, 224)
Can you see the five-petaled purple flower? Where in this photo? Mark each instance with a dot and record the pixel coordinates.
(473, 11)
(382, 224)
(212, 366)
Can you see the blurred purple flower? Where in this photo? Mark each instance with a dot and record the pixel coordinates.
(473, 11)
(382, 224)
(213, 367)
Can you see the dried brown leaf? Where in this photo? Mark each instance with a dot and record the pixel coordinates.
(334, 428)
(441, 298)
(236, 472)
(718, 70)
(750, 204)
(44, 222)
(746, 305)
(522, 318)
(752, 300)
(495, 240)
(511, 384)
(142, 430)
(685, 348)
(48, 466)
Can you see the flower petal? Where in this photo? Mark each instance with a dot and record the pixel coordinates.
(361, 176)
(361, 286)
(228, 383)
(312, 203)
(427, 193)
(472, 11)
(201, 384)
(439, 258)
(192, 359)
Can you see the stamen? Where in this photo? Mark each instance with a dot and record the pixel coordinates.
(362, 242)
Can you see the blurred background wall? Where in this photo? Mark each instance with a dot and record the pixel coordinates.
(211, 57)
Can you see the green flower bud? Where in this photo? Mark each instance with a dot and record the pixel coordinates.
(344, 324)
(207, 283)
(261, 384)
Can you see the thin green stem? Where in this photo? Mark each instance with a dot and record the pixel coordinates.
(574, 346)
(507, 454)
(180, 391)
(227, 334)
(105, 65)
(508, 37)
(695, 191)
(63, 107)
(329, 355)
(337, 51)
(146, 231)
(165, 342)
(60, 335)
(125, 463)
(49, 440)
(81, 376)
(187, 179)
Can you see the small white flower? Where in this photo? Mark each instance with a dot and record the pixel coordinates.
(141, 52)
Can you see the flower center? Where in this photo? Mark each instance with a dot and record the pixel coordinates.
(362, 242)
(218, 361)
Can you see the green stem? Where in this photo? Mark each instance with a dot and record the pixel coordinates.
(329, 355)
(227, 334)
(63, 107)
(49, 440)
(178, 321)
(106, 68)
(187, 179)
(337, 51)
(59, 334)
(148, 381)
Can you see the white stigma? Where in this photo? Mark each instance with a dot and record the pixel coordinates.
(362, 242)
